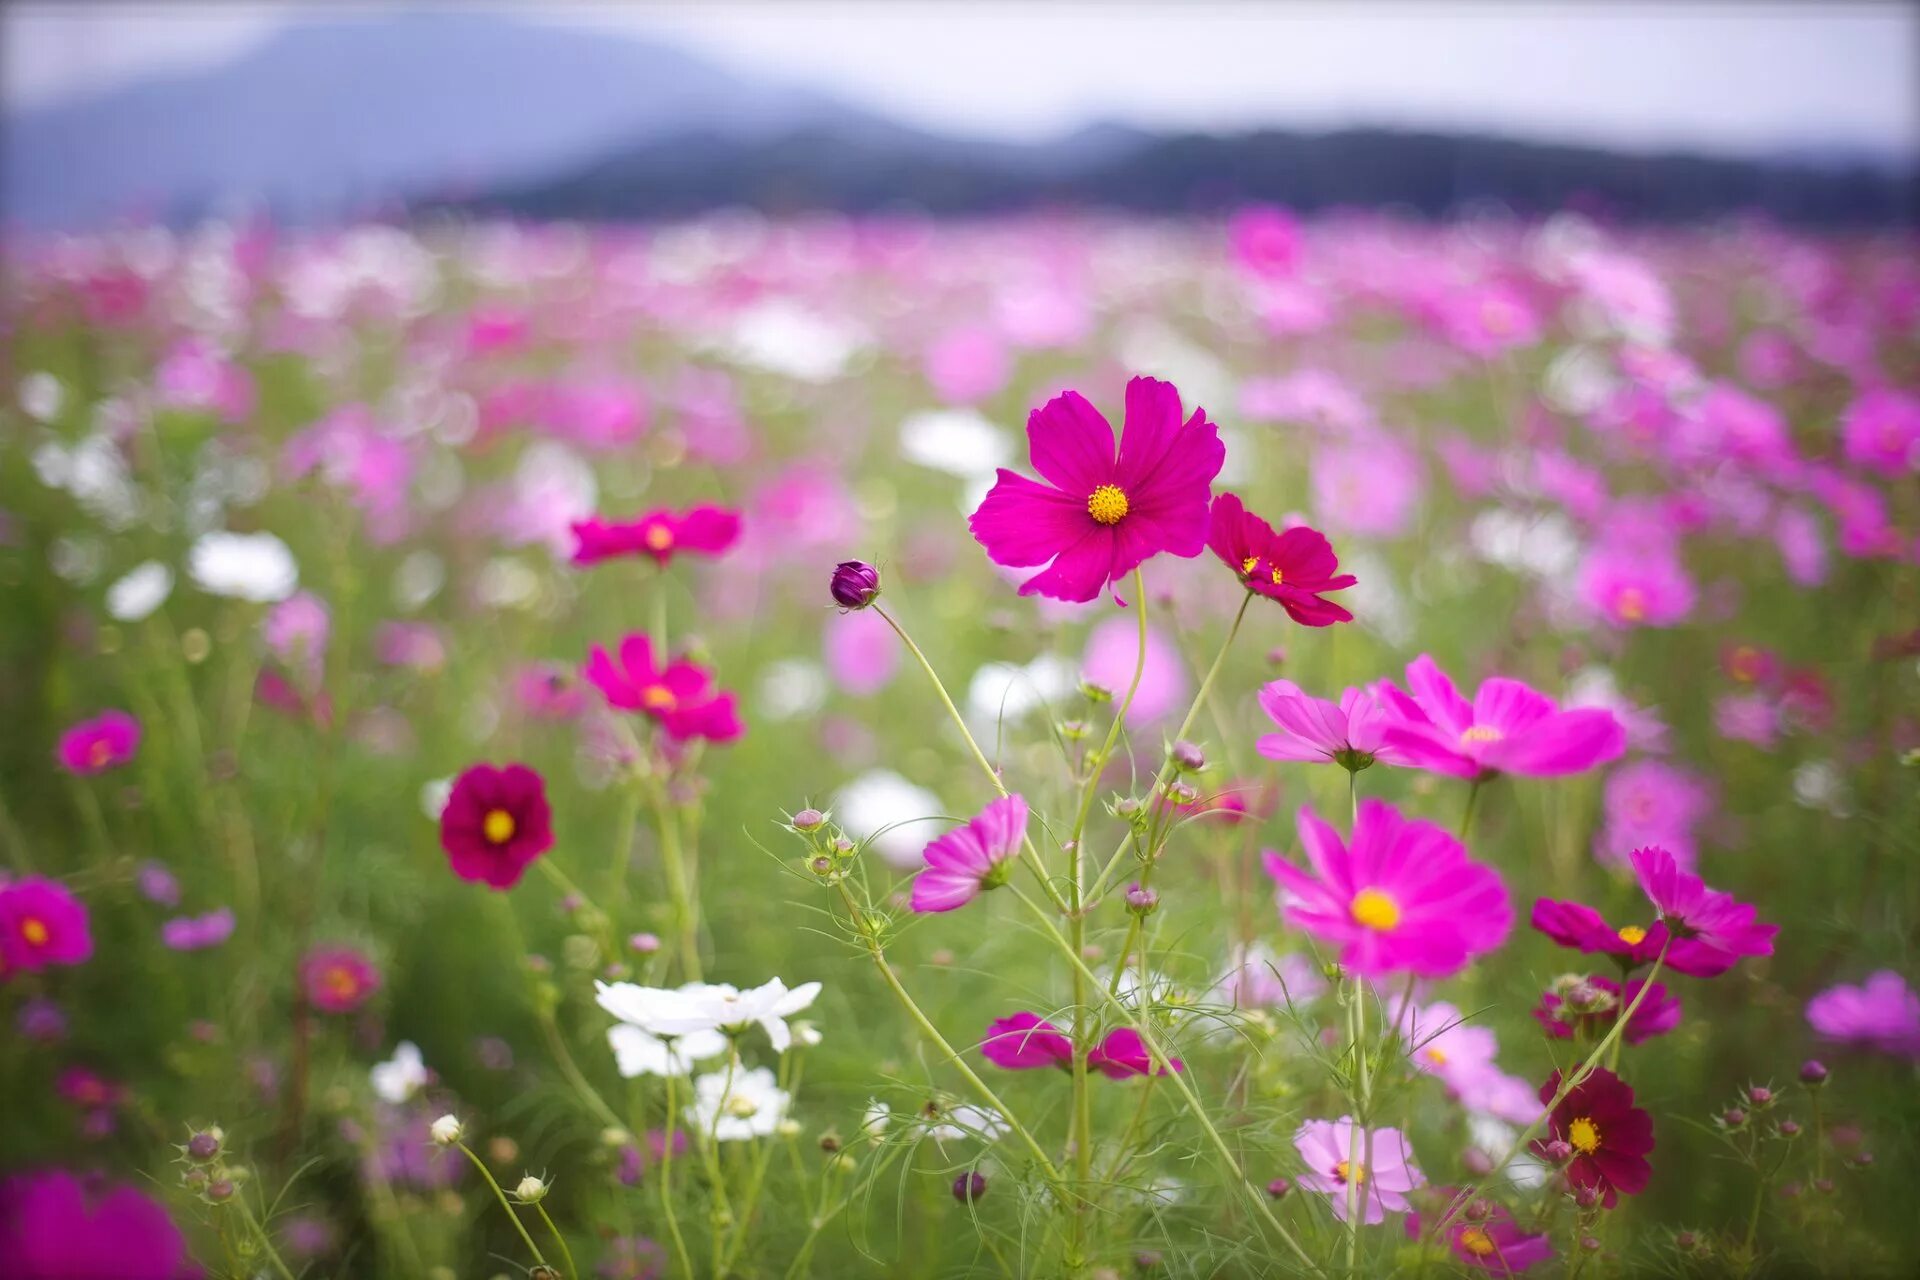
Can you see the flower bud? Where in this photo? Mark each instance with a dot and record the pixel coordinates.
(1278, 1188)
(855, 584)
(204, 1145)
(1141, 901)
(1686, 1242)
(1478, 1209)
(1813, 1072)
(1183, 793)
(1789, 1128)
(1733, 1117)
(1558, 1151)
(1759, 1095)
(530, 1191)
(447, 1130)
(219, 1191)
(1590, 1243)
(1586, 1197)
(1188, 756)
(969, 1187)
(1477, 1162)
(830, 1142)
(645, 943)
(809, 820)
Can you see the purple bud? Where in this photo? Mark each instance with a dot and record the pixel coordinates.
(1477, 1162)
(1863, 1160)
(1586, 1197)
(203, 1145)
(1590, 1243)
(1789, 1128)
(1759, 1095)
(1824, 1186)
(1558, 1151)
(1189, 756)
(1478, 1210)
(1813, 1072)
(809, 820)
(645, 943)
(1733, 1117)
(42, 1021)
(855, 584)
(1141, 900)
(1278, 1188)
(1183, 793)
(220, 1190)
(969, 1187)
(1686, 1242)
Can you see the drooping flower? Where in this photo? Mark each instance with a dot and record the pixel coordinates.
(681, 696)
(1507, 728)
(1024, 1041)
(1351, 735)
(55, 1227)
(662, 534)
(1594, 1004)
(1881, 1014)
(1381, 1183)
(1292, 567)
(734, 1106)
(1103, 513)
(41, 923)
(495, 823)
(969, 859)
(107, 741)
(1404, 898)
(338, 979)
(1724, 929)
(1608, 1135)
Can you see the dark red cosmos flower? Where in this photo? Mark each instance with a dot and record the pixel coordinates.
(1610, 1137)
(497, 821)
(1658, 1014)
(660, 534)
(1575, 925)
(1292, 567)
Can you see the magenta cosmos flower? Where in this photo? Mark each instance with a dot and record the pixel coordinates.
(968, 859)
(1351, 734)
(1722, 928)
(41, 924)
(1292, 567)
(1507, 728)
(1404, 899)
(1609, 1136)
(338, 979)
(1882, 1014)
(1580, 927)
(1102, 514)
(1026, 1041)
(662, 534)
(1496, 1244)
(681, 696)
(496, 822)
(105, 742)
(1561, 1016)
(1386, 1172)
(1881, 431)
(54, 1227)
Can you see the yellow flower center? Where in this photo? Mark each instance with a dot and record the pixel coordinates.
(1481, 733)
(1632, 604)
(1437, 1056)
(100, 753)
(1107, 505)
(1632, 934)
(1496, 318)
(1375, 910)
(1248, 565)
(1584, 1136)
(1476, 1242)
(1746, 663)
(498, 826)
(657, 697)
(659, 537)
(34, 931)
(340, 983)
(1343, 1172)
(1277, 577)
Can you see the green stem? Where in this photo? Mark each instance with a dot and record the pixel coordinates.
(1356, 1159)
(501, 1196)
(571, 1070)
(1473, 798)
(260, 1234)
(565, 1252)
(666, 1183)
(673, 859)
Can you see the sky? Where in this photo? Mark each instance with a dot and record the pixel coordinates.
(1721, 76)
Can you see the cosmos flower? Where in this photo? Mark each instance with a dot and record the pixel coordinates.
(243, 566)
(1608, 1135)
(1507, 728)
(1561, 1013)
(637, 1052)
(338, 979)
(662, 534)
(139, 592)
(1351, 734)
(1494, 1244)
(1403, 899)
(1635, 586)
(1386, 1172)
(681, 696)
(55, 1227)
(1265, 240)
(971, 858)
(1649, 802)
(1881, 432)
(1023, 1041)
(1722, 928)
(41, 924)
(1881, 1014)
(198, 933)
(399, 1078)
(107, 741)
(1581, 928)
(735, 1106)
(673, 1012)
(1292, 567)
(495, 823)
(1122, 1053)
(1103, 513)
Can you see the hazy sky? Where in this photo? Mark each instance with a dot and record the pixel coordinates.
(1725, 75)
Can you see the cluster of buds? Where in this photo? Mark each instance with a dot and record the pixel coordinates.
(829, 852)
(207, 1173)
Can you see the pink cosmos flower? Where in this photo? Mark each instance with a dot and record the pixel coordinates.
(1367, 487)
(196, 378)
(1881, 432)
(1024, 1041)
(1724, 928)
(862, 652)
(1404, 899)
(1635, 586)
(1658, 1013)
(1292, 568)
(1113, 654)
(1258, 978)
(1802, 545)
(296, 631)
(681, 696)
(105, 742)
(1496, 1245)
(1488, 319)
(1386, 1174)
(968, 859)
(1651, 803)
(548, 691)
(1103, 514)
(1265, 240)
(55, 1227)
(197, 933)
(337, 979)
(1882, 1014)
(1747, 717)
(415, 645)
(1351, 735)
(1507, 728)
(496, 822)
(1580, 927)
(662, 534)
(88, 1089)
(1441, 1042)
(968, 365)
(41, 923)
(1122, 1053)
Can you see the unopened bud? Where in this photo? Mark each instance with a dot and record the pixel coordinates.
(204, 1145)
(1813, 1072)
(969, 1187)
(447, 1130)
(809, 820)
(1558, 1152)
(1733, 1117)
(530, 1191)
(1188, 756)
(1278, 1188)
(1759, 1095)
(219, 1191)
(1142, 901)
(854, 585)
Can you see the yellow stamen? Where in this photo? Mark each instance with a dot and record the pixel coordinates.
(1476, 1242)
(1481, 733)
(659, 537)
(1632, 934)
(1375, 910)
(1277, 577)
(1631, 604)
(1107, 505)
(1343, 1172)
(1438, 1057)
(657, 697)
(1247, 566)
(499, 826)
(1584, 1136)
(340, 984)
(99, 754)
(34, 931)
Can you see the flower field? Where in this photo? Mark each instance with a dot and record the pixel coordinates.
(1055, 746)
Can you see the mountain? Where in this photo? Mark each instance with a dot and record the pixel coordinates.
(363, 108)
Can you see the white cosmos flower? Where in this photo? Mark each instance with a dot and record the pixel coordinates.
(401, 1076)
(747, 1105)
(876, 1118)
(641, 1053)
(243, 566)
(142, 590)
(964, 1120)
(702, 1006)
